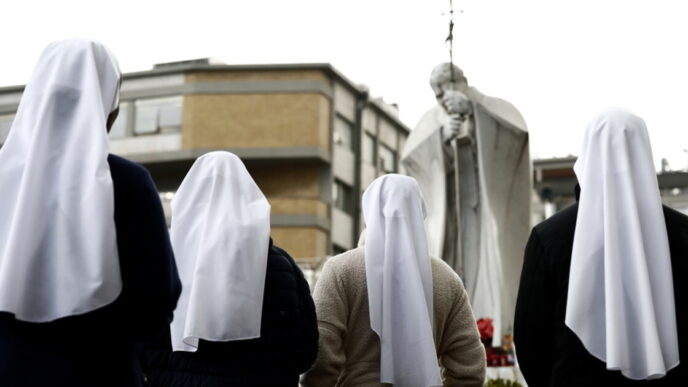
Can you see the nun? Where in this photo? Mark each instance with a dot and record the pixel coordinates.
(602, 299)
(245, 316)
(387, 311)
(86, 267)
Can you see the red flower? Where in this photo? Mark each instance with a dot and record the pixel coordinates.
(486, 329)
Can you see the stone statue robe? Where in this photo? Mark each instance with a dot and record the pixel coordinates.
(493, 200)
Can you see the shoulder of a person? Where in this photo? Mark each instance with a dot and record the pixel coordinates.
(558, 226)
(429, 123)
(442, 272)
(435, 115)
(440, 266)
(121, 168)
(346, 262)
(501, 108)
(280, 260)
(675, 219)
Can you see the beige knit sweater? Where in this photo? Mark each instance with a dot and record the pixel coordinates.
(349, 349)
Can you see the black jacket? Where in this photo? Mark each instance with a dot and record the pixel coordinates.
(97, 348)
(548, 352)
(287, 345)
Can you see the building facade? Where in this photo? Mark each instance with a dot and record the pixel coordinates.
(311, 139)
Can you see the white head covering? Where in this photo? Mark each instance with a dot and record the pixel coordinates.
(220, 236)
(621, 296)
(58, 250)
(399, 279)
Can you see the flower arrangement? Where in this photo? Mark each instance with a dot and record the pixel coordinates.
(499, 382)
(496, 356)
(486, 331)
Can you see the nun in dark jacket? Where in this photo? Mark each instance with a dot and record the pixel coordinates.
(86, 266)
(603, 296)
(246, 316)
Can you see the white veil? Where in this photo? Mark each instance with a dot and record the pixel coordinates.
(58, 248)
(399, 279)
(621, 297)
(220, 236)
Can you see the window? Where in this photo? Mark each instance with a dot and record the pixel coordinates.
(159, 115)
(5, 125)
(343, 132)
(388, 159)
(368, 145)
(119, 128)
(343, 197)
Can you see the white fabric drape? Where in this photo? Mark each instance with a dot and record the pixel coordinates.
(220, 235)
(621, 297)
(58, 250)
(399, 280)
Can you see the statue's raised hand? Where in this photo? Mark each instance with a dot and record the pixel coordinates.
(456, 102)
(453, 129)
(459, 107)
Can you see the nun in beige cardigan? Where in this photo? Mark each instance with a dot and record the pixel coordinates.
(350, 352)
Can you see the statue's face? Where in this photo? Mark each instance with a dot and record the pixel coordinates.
(439, 87)
(441, 80)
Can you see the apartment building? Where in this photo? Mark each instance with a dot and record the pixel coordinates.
(311, 138)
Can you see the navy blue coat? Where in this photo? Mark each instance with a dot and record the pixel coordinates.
(287, 346)
(97, 348)
(549, 353)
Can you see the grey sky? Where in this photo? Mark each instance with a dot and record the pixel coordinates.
(559, 62)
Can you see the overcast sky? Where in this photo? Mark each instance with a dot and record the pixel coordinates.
(558, 62)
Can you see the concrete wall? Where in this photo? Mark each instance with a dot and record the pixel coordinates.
(298, 206)
(301, 242)
(345, 102)
(291, 181)
(256, 120)
(343, 161)
(294, 192)
(342, 232)
(388, 135)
